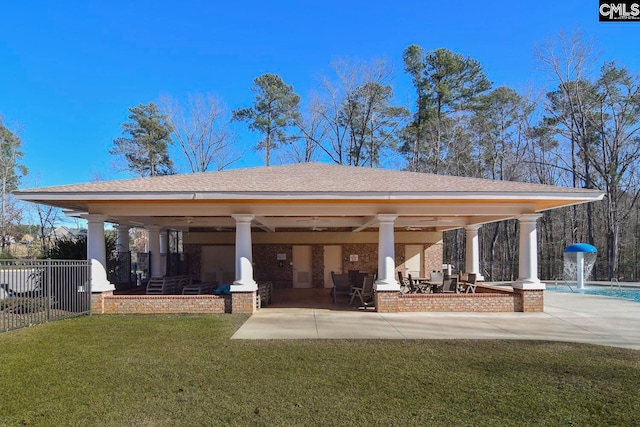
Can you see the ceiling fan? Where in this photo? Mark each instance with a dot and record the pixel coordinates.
(314, 226)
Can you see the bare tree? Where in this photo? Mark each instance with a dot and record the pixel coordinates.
(312, 131)
(599, 118)
(356, 118)
(201, 131)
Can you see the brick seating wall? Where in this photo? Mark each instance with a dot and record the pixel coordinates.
(161, 304)
(486, 299)
(478, 302)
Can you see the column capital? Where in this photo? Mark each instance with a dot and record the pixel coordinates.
(530, 217)
(243, 217)
(472, 227)
(386, 217)
(95, 217)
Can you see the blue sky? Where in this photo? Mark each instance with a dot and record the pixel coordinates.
(70, 70)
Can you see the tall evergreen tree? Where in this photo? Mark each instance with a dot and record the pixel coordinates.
(274, 112)
(146, 141)
(11, 171)
(447, 85)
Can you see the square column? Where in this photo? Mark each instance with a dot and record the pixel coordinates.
(386, 255)
(528, 254)
(97, 253)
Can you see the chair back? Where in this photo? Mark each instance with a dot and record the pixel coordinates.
(360, 279)
(368, 284)
(435, 277)
(472, 278)
(340, 281)
(450, 285)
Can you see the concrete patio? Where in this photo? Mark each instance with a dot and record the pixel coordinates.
(566, 317)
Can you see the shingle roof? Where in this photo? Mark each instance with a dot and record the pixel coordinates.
(306, 178)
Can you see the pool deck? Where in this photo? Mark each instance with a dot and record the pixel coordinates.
(566, 317)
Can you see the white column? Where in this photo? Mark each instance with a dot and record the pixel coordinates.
(386, 255)
(96, 253)
(164, 239)
(122, 238)
(472, 249)
(528, 254)
(580, 271)
(244, 267)
(153, 237)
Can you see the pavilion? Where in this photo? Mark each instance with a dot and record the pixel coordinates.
(292, 224)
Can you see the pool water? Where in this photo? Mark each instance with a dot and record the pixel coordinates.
(607, 291)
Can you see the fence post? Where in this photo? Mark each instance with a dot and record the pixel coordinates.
(89, 290)
(48, 287)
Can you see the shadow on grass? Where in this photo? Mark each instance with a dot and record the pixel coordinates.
(184, 370)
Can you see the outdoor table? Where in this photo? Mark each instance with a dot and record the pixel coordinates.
(424, 286)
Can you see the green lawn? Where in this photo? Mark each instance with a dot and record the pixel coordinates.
(184, 370)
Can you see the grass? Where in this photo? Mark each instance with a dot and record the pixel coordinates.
(184, 370)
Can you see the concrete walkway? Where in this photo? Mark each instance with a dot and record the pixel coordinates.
(567, 317)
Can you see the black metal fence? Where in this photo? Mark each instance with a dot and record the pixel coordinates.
(37, 291)
(552, 270)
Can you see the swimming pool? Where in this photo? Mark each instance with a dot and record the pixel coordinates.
(632, 293)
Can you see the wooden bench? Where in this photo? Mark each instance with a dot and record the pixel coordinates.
(170, 285)
(203, 288)
(265, 291)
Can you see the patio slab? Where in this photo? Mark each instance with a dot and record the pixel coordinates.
(567, 317)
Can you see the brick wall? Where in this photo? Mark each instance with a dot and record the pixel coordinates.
(529, 301)
(387, 301)
(479, 302)
(108, 303)
(317, 266)
(367, 257)
(194, 260)
(432, 258)
(243, 302)
(267, 267)
(97, 301)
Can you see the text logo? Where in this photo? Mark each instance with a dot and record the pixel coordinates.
(619, 11)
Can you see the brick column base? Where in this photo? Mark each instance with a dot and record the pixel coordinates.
(243, 302)
(97, 301)
(529, 301)
(387, 301)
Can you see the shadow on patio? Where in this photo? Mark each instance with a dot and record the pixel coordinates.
(319, 298)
